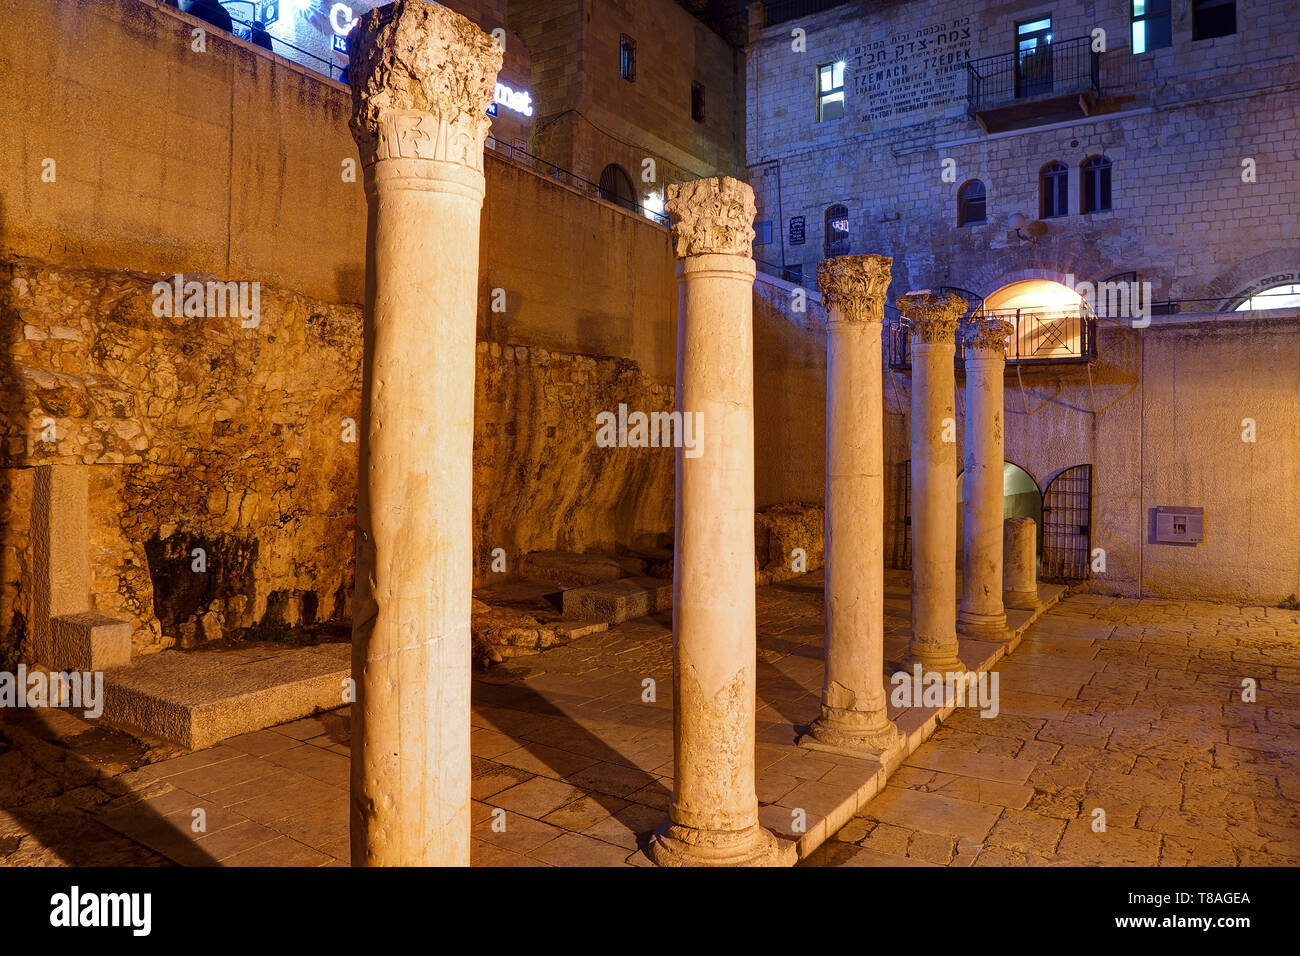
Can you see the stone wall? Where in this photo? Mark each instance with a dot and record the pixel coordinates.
(241, 442)
(1177, 124)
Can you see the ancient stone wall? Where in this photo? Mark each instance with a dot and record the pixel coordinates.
(235, 448)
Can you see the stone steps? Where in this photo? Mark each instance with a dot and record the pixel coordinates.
(197, 698)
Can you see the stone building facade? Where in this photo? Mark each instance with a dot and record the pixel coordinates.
(642, 88)
(937, 142)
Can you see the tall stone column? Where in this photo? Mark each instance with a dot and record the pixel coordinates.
(422, 80)
(713, 816)
(981, 614)
(853, 713)
(933, 324)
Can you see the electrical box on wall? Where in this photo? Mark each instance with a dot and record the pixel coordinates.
(1180, 525)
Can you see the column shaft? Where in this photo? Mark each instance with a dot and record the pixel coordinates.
(934, 481)
(714, 809)
(411, 640)
(853, 712)
(981, 613)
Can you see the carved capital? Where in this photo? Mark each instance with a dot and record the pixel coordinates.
(855, 286)
(932, 320)
(712, 216)
(987, 333)
(422, 80)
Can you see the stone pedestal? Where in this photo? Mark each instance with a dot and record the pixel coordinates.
(853, 715)
(422, 80)
(981, 614)
(714, 810)
(933, 324)
(1020, 563)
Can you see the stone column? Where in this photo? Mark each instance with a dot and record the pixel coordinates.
(713, 816)
(853, 713)
(933, 324)
(422, 80)
(981, 614)
(1020, 570)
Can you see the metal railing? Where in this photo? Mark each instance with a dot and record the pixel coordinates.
(1067, 66)
(330, 70)
(553, 171)
(1038, 337)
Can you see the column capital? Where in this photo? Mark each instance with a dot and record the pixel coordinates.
(855, 287)
(422, 80)
(712, 216)
(933, 320)
(987, 333)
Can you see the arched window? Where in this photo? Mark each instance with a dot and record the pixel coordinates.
(616, 186)
(1094, 184)
(971, 208)
(1285, 296)
(837, 230)
(1053, 191)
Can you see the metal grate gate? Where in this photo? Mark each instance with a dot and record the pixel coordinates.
(1067, 526)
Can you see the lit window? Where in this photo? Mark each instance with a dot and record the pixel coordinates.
(830, 91)
(1095, 184)
(626, 57)
(1274, 297)
(1151, 25)
(1213, 18)
(1054, 191)
(971, 207)
(837, 230)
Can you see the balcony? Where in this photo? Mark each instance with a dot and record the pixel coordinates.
(1058, 82)
(1039, 336)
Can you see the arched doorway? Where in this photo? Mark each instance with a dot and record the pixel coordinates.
(1050, 319)
(616, 186)
(1021, 498)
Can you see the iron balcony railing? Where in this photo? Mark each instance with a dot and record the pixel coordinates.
(1038, 336)
(552, 171)
(1066, 66)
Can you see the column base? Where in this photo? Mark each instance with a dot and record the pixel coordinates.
(675, 845)
(983, 627)
(930, 662)
(1021, 600)
(858, 734)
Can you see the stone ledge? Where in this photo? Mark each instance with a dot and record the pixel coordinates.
(197, 698)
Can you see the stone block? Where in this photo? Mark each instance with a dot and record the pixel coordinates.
(90, 641)
(618, 601)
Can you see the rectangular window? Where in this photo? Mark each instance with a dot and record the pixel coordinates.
(1150, 28)
(763, 232)
(830, 91)
(626, 57)
(697, 102)
(1213, 18)
(1055, 192)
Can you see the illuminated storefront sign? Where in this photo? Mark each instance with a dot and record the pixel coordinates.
(518, 100)
(342, 19)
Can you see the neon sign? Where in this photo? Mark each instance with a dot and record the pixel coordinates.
(518, 100)
(342, 19)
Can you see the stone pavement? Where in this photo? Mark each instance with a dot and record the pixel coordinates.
(1125, 705)
(1130, 707)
